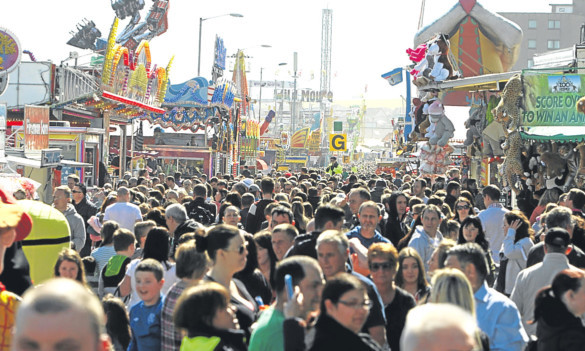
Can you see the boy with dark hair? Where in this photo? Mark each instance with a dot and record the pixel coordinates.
(113, 272)
(256, 213)
(145, 315)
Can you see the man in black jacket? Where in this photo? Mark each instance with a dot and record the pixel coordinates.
(178, 223)
(199, 206)
(256, 212)
(326, 217)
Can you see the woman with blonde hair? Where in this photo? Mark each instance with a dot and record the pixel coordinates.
(452, 286)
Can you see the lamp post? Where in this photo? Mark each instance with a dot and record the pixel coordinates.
(200, 27)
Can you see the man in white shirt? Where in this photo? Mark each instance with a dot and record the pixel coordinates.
(126, 214)
(492, 219)
(427, 237)
(530, 280)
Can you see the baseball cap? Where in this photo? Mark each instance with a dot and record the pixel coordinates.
(12, 215)
(247, 182)
(253, 188)
(558, 237)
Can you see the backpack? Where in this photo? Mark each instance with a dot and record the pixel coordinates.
(202, 215)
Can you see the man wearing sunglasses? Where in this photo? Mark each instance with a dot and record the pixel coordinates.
(332, 254)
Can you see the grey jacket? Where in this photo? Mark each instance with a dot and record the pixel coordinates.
(76, 227)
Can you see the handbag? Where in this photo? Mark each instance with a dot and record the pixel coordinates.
(500, 285)
(124, 299)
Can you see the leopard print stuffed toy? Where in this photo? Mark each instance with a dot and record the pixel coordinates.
(507, 112)
(512, 164)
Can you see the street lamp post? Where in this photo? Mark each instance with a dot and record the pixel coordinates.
(200, 28)
(260, 98)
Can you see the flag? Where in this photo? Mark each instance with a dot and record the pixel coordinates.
(299, 139)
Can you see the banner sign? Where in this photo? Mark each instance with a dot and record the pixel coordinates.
(220, 53)
(551, 99)
(10, 51)
(393, 77)
(36, 127)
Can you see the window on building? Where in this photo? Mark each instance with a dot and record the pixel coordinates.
(530, 63)
(531, 44)
(531, 24)
(553, 44)
(554, 24)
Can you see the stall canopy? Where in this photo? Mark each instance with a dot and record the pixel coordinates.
(261, 165)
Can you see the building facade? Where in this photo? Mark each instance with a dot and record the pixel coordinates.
(547, 31)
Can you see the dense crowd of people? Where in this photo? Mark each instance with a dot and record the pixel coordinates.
(316, 260)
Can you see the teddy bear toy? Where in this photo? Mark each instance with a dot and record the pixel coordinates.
(441, 128)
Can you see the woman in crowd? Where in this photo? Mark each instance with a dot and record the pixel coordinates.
(205, 313)
(463, 209)
(157, 247)
(344, 309)
(558, 310)
(255, 282)
(106, 250)
(517, 243)
(411, 274)
(383, 264)
(117, 322)
(69, 265)
(265, 253)
(451, 286)
(227, 249)
(231, 216)
(395, 227)
(471, 231)
(437, 260)
(308, 209)
(192, 265)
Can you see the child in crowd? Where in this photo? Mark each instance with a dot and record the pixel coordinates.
(90, 265)
(115, 269)
(145, 315)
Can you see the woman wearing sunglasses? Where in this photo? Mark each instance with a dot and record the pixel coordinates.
(383, 264)
(345, 306)
(227, 249)
(463, 209)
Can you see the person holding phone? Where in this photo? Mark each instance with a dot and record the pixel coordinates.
(307, 278)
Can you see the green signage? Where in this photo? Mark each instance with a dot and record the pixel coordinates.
(551, 99)
(338, 126)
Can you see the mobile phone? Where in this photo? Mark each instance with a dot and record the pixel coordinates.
(289, 285)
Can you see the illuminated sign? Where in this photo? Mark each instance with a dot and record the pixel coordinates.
(10, 51)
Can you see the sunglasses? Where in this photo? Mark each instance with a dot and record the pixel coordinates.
(241, 249)
(385, 265)
(466, 207)
(75, 191)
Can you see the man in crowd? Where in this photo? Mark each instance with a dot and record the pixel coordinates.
(327, 217)
(72, 179)
(281, 215)
(179, 223)
(559, 217)
(427, 239)
(62, 202)
(307, 275)
(419, 188)
(497, 316)
(283, 238)
(530, 280)
(356, 198)
(334, 167)
(439, 327)
(247, 201)
(60, 314)
(198, 209)
(492, 219)
(575, 201)
(332, 254)
(123, 212)
(256, 212)
(86, 210)
(369, 216)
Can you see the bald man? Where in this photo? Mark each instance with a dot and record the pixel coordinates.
(60, 315)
